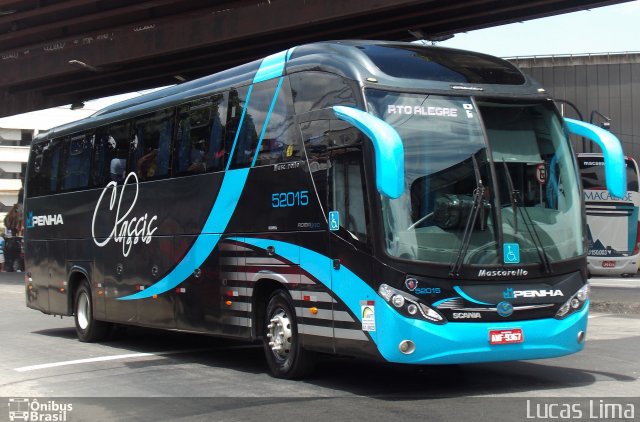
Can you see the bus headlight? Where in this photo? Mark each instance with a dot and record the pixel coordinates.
(408, 305)
(574, 303)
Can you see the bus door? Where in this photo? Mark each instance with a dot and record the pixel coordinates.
(335, 152)
(348, 224)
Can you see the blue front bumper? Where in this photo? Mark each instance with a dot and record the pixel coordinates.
(468, 342)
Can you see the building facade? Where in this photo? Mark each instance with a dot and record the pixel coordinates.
(598, 85)
(14, 152)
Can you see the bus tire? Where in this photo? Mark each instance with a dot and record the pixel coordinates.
(87, 328)
(282, 345)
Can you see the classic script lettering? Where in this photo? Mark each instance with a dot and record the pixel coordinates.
(128, 231)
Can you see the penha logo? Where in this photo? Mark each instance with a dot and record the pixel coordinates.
(128, 231)
(43, 220)
(509, 293)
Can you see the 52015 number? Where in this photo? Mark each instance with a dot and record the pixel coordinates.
(290, 199)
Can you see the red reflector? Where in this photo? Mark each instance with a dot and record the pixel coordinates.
(608, 264)
(306, 298)
(506, 336)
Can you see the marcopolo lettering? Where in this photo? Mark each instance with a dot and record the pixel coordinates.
(516, 272)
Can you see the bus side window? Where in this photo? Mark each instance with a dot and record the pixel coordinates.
(199, 141)
(76, 162)
(40, 170)
(112, 145)
(281, 141)
(318, 90)
(56, 148)
(248, 134)
(316, 144)
(334, 151)
(153, 133)
(347, 188)
(236, 104)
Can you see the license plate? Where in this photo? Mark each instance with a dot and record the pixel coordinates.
(608, 264)
(511, 336)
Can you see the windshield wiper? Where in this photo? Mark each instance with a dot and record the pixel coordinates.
(515, 199)
(476, 207)
(514, 194)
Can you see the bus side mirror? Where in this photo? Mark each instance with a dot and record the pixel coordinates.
(614, 165)
(388, 148)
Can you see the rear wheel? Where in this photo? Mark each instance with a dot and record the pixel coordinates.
(87, 328)
(282, 345)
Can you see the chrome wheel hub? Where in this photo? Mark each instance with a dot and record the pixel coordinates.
(83, 311)
(279, 334)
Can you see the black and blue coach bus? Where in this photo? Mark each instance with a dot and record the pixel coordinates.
(406, 203)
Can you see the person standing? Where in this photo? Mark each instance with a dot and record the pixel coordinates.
(2, 243)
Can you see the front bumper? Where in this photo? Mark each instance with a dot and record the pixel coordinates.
(468, 342)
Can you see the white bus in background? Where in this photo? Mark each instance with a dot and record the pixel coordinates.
(613, 223)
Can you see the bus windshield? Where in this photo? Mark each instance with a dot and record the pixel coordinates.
(518, 172)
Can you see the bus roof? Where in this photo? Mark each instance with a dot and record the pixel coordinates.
(380, 64)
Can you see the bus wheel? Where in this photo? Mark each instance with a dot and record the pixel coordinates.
(282, 345)
(87, 328)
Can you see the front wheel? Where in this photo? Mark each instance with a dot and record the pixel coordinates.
(282, 346)
(87, 328)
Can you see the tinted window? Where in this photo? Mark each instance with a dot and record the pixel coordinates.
(111, 158)
(316, 143)
(317, 90)
(348, 191)
(592, 173)
(56, 148)
(280, 139)
(237, 104)
(321, 137)
(199, 142)
(77, 162)
(443, 65)
(152, 144)
(251, 131)
(39, 177)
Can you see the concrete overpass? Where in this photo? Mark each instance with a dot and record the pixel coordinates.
(55, 52)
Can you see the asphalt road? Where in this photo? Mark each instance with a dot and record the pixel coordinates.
(155, 375)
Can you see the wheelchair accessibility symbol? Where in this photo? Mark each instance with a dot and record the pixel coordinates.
(334, 220)
(511, 253)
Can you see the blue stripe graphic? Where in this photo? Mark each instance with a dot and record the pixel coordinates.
(235, 140)
(272, 66)
(459, 342)
(440, 302)
(216, 223)
(467, 297)
(227, 199)
(264, 127)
